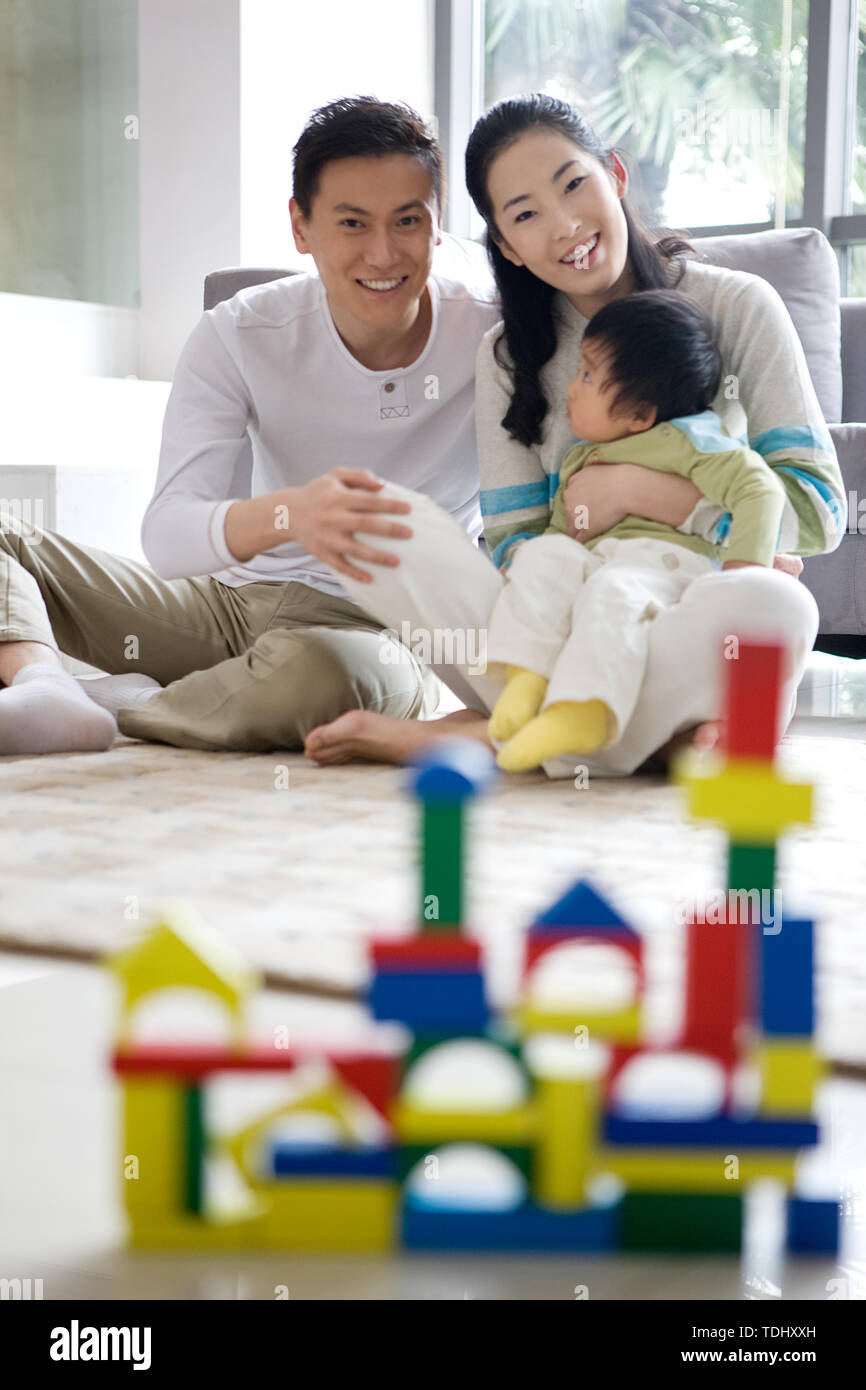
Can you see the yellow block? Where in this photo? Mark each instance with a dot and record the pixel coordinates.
(790, 1070)
(568, 1112)
(746, 795)
(692, 1170)
(189, 1233)
(330, 1215)
(152, 1146)
(416, 1126)
(623, 1025)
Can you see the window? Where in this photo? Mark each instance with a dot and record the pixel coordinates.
(69, 149)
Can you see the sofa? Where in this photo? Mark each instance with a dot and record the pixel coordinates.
(800, 263)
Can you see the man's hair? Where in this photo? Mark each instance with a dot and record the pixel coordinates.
(658, 347)
(361, 127)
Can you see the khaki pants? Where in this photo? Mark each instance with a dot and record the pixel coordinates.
(252, 668)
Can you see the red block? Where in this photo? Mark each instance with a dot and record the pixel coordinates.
(720, 968)
(538, 943)
(752, 710)
(438, 951)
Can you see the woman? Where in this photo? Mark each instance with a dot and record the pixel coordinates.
(563, 241)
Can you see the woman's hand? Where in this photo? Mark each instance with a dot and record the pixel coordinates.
(607, 492)
(789, 564)
(592, 501)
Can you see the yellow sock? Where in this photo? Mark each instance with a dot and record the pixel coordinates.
(567, 727)
(519, 702)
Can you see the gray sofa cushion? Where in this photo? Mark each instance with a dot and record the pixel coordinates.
(854, 358)
(800, 263)
(838, 580)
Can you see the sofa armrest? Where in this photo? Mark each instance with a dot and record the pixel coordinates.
(838, 580)
(853, 358)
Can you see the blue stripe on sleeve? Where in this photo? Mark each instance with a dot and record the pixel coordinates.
(511, 499)
(704, 430)
(836, 506)
(794, 437)
(500, 550)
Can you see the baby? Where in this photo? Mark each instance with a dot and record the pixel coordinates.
(572, 623)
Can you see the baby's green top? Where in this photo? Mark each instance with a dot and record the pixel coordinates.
(726, 471)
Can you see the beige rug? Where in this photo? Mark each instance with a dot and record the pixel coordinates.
(296, 875)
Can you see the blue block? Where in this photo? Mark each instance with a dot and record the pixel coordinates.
(527, 1228)
(813, 1226)
(786, 980)
(452, 771)
(581, 906)
(430, 1000)
(299, 1160)
(720, 1132)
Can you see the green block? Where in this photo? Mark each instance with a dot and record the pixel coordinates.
(193, 1116)
(752, 866)
(699, 1222)
(442, 867)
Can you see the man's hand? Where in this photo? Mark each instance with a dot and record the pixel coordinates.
(325, 514)
(323, 517)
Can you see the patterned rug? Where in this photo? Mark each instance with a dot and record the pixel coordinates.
(296, 863)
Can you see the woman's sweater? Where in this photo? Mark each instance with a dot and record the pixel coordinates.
(766, 399)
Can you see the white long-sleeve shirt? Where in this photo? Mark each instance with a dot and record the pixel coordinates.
(268, 366)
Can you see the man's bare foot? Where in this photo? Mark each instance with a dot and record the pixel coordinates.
(703, 737)
(379, 738)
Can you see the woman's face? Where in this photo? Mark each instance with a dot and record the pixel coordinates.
(558, 212)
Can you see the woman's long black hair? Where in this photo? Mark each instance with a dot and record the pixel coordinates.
(529, 323)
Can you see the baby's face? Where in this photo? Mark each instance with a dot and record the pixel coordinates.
(588, 402)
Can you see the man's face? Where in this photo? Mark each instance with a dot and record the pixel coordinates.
(372, 229)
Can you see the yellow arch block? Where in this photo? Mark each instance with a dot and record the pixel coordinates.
(414, 1126)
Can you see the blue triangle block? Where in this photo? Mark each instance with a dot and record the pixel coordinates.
(581, 906)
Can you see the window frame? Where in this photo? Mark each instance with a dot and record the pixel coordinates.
(831, 96)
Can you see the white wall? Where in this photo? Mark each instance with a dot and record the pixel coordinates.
(295, 58)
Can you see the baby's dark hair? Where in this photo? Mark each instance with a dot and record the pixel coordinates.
(658, 348)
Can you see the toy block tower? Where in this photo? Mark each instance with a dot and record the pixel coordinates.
(432, 982)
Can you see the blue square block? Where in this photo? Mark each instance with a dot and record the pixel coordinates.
(528, 1228)
(430, 1000)
(813, 1226)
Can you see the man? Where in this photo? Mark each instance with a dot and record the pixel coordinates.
(361, 375)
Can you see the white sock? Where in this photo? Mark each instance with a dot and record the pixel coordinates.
(44, 711)
(120, 692)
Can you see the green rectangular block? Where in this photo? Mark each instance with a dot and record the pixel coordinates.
(194, 1134)
(699, 1222)
(752, 867)
(441, 906)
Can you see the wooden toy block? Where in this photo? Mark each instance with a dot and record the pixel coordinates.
(453, 770)
(177, 952)
(568, 1122)
(195, 1063)
(296, 1160)
(692, 1170)
(433, 1127)
(722, 1132)
(752, 701)
(746, 795)
(527, 1228)
(408, 1155)
(789, 1070)
(541, 940)
(442, 869)
(620, 1025)
(698, 1222)
(442, 951)
(192, 1101)
(153, 1147)
(582, 906)
(186, 1232)
(786, 973)
(718, 982)
(330, 1214)
(812, 1226)
(432, 1000)
(244, 1144)
(753, 867)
